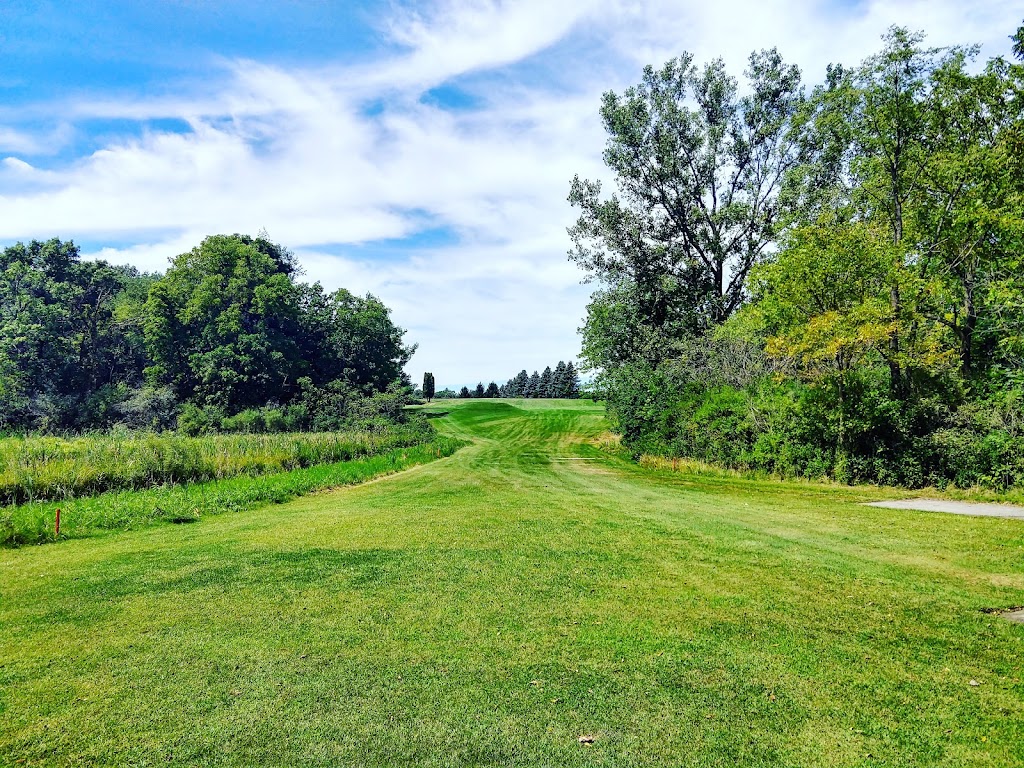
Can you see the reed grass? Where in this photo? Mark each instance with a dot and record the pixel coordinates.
(43, 468)
(33, 522)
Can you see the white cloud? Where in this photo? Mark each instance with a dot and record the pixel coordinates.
(347, 156)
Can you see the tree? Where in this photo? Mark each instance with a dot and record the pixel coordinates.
(558, 380)
(533, 386)
(464, 393)
(545, 383)
(222, 326)
(492, 390)
(968, 208)
(479, 391)
(698, 197)
(428, 386)
(572, 382)
(228, 327)
(350, 338)
(70, 337)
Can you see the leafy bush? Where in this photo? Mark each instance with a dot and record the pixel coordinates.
(786, 427)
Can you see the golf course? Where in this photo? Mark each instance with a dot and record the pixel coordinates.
(531, 600)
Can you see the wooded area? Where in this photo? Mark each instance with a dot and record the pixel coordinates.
(227, 340)
(824, 284)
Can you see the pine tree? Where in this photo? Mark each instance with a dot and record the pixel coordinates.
(492, 390)
(464, 392)
(428, 386)
(558, 380)
(533, 388)
(545, 383)
(521, 384)
(479, 391)
(572, 381)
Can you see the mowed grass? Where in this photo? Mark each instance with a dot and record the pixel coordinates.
(493, 607)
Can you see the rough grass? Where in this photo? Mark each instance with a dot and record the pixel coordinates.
(39, 468)
(34, 523)
(493, 607)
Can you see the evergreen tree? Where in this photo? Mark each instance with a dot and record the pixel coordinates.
(479, 391)
(492, 390)
(545, 383)
(533, 387)
(428, 386)
(464, 392)
(572, 381)
(558, 380)
(520, 384)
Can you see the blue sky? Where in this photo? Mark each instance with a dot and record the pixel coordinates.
(422, 151)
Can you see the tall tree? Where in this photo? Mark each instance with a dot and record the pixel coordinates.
(492, 390)
(521, 383)
(533, 386)
(479, 391)
(572, 381)
(545, 383)
(428, 386)
(699, 170)
(969, 207)
(222, 325)
(70, 337)
(558, 380)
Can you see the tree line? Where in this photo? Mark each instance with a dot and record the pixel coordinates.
(227, 338)
(562, 382)
(824, 282)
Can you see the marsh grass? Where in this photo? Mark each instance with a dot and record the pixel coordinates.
(32, 523)
(53, 468)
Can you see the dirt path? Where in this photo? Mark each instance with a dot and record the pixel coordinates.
(954, 507)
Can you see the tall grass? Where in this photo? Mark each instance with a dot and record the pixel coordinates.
(54, 468)
(32, 523)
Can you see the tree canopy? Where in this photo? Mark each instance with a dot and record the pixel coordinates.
(228, 328)
(872, 322)
(699, 172)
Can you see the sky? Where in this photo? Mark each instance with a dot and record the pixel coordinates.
(419, 151)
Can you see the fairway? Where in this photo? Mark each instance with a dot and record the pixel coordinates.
(493, 607)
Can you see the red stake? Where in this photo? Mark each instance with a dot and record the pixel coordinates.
(56, 524)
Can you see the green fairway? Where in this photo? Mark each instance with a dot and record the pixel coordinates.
(493, 607)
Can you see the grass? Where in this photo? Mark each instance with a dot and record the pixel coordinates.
(40, 468)
(492, 607)
(34, 523)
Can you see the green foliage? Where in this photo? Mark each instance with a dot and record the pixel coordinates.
(34, 468)
(699, 172)
(881, 340)
(70, 337)
(121, 510)
(227, 331)
(428, 386)
(223, 325)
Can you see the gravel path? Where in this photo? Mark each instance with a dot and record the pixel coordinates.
(954, 507)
